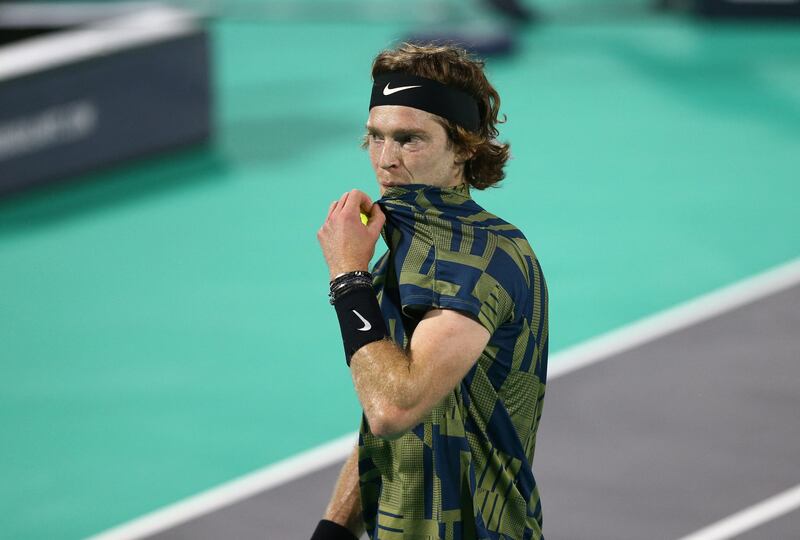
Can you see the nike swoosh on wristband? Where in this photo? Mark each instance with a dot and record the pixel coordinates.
(367, 326)
(389, 91)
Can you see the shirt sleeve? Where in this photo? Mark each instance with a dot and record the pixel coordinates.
(433, 276)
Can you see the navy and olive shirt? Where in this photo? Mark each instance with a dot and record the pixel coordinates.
(464, 472)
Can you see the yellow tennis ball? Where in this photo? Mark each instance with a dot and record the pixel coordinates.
(364, 218)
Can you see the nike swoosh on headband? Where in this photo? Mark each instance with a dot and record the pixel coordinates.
(389, 91)
(367, 325)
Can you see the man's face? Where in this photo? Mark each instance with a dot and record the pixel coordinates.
(408, 146)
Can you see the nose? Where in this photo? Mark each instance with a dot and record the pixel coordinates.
(390, 155)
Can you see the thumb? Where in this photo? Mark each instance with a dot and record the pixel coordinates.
(376, 219)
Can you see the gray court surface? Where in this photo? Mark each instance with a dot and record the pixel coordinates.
(655, 443)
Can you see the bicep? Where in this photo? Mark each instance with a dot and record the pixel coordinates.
(444, 347)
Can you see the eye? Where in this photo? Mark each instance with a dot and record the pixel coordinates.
(374, 137)
(406, 139)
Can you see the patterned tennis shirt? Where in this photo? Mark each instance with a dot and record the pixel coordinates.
(464, 472)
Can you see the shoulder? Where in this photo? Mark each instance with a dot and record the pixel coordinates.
(510, 258)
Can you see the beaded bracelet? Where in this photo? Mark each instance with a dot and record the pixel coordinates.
(347, 282)
(349, 275)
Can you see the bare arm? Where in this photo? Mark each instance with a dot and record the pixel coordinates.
(345, 505)
(396, 389)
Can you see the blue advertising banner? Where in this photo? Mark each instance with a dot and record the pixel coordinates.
(94, 110)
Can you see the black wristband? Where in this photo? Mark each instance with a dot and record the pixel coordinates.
(328, 530)
(360, 319)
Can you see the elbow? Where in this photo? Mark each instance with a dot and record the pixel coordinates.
(390, 423)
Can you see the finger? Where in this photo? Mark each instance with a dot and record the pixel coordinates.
(340, 203)
(360, 199)
(330, 208)
(364, 202)
(354, 204)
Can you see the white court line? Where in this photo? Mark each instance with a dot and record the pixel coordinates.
(671, 320)
(236, 490)
(750, 518)
(592, 351)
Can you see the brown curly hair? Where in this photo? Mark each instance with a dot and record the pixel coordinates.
(455, 67)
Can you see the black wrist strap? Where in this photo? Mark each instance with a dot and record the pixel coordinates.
(328, 530)
(360, 319)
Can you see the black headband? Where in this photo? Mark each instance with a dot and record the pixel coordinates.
(426, 95)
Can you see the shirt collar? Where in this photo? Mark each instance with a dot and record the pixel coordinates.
(397, 192)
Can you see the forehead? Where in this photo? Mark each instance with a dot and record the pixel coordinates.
(398, 117)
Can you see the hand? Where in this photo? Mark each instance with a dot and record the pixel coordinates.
(346, 243)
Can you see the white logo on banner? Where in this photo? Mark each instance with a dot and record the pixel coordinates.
(51, 127)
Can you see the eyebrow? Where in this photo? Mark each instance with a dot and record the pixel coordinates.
(399, 132)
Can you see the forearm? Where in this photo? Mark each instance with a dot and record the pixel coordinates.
(344, 507)
(388, 385)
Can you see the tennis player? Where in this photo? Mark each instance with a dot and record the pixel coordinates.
(446, 337)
